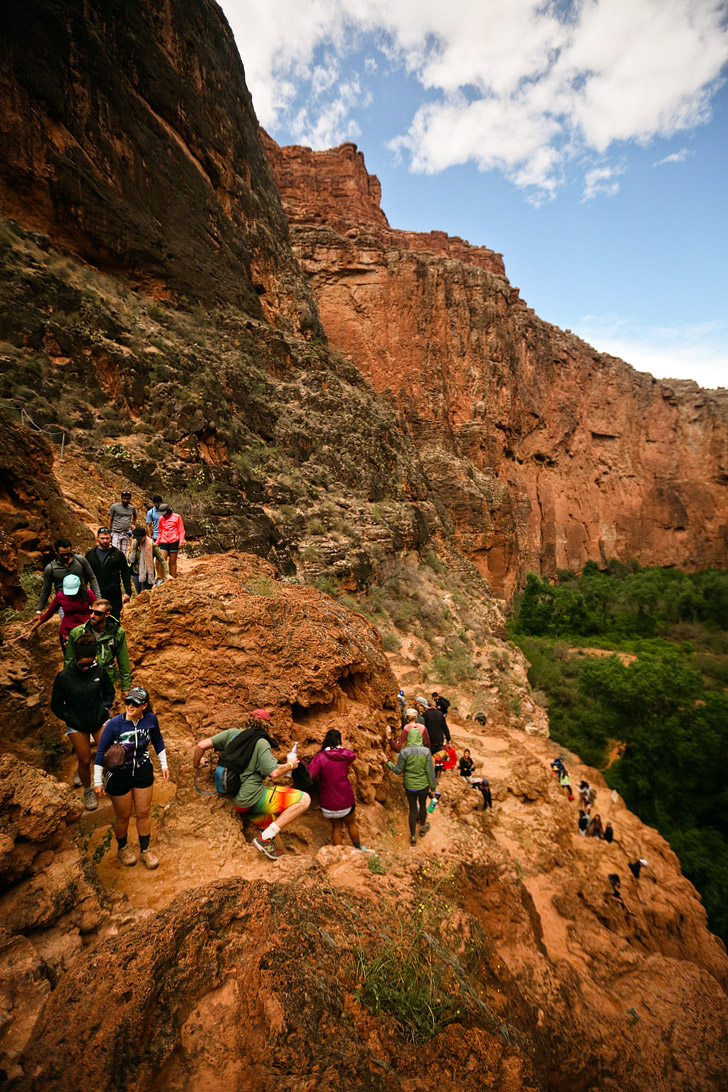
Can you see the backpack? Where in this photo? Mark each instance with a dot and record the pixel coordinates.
(235, 759)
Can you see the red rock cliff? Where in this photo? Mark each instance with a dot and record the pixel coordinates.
(547, 452)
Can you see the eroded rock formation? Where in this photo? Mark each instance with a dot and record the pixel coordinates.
(545, 452)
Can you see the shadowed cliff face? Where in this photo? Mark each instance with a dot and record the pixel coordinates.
(129, 136)
(548, 452)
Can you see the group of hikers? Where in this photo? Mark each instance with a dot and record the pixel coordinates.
(89, 594)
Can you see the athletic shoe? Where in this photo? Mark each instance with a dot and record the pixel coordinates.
(365, 849)
(148, 858)
(158, 581)
(413, 840)
(76, 781)
(424, 830)
(126, 856)
(89, 799)
(279, 851)
(266, 848)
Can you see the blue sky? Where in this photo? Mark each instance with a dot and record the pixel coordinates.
(586, 141)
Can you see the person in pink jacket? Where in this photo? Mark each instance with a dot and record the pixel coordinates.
(171, 535)
(336, 796)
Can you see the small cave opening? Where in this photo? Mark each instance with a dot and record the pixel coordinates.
(304, 714)
(355, 686)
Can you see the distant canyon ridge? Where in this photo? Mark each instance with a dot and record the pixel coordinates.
(545, 452)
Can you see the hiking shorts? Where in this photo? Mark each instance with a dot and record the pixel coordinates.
(120, 782)
(269, 804)
(169, 547)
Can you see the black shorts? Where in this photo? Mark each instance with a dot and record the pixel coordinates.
(121, 782)
(169, 547)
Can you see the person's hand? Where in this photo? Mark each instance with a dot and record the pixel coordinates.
(125, 598)
(293, 761)
(165, 774)
(99, 790)
(382, 757)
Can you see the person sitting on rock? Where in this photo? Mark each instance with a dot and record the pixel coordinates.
(452, 759)
(636, 867)
(415, 764)
(480, 718)
(130, 784)
(596, 830)
(82, 696)
(466, 764)
(411, 718)
(269, 809)
(336, 796)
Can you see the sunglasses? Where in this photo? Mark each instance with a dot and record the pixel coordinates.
(100, 613)
(131, 701)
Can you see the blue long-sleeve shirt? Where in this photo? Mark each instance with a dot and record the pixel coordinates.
(135, 740)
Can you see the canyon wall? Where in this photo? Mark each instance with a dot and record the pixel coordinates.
(546, 452)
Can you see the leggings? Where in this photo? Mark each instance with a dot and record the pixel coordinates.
(417, 802)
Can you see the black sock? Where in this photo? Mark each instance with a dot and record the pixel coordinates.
(121, 842)
(144, 841)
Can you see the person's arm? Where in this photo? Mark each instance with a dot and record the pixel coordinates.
(45, 590)
(431, 773)
(155, 736)
(70, 645)
(199, 752)
(181, 531)
(425, 738)
(126, 579)
(41, 618)
(90, 576)
(399, 768)
(58, 698)
(445, 728)
(107, 738)
(122, 660)
(108, 693)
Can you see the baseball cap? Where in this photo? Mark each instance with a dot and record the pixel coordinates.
(261, 714)
(71, 584)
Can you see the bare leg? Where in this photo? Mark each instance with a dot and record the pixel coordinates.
(122, 806)
(143, 808)
(81, 744)
(353, 828)
(293, 811)
(173, 564)
(336, 825)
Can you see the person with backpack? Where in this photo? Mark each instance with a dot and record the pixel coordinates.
(415, 764)
(270, 809)
(128, 775)
(336, 796)
(411, 718)
(82, 696)
(65, 563)
(111, 648)
(440, 703)
(73, 602)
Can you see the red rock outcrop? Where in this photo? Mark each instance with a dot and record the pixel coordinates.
(546, 452)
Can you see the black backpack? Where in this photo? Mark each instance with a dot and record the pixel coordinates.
(235, 759)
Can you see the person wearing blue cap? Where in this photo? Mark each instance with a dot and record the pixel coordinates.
(74, 601)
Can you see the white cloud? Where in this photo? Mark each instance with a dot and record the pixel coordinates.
(675, 157)
(601, 182)
(698, 351)
(520, 86)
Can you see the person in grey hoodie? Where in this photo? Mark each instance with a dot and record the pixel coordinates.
(418, 770)
(66, 563)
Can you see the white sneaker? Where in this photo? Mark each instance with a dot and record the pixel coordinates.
(89, 799)
(76, 781)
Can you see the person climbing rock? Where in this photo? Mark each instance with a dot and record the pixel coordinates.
(565, 781)
(171, 536)
(82, 696)
(608, 833)
(636, 867)
(111, 570)
(122, 517)
(583, 822)
(466, 764)
(130, 784)
(415, 764)
(336, 796)
(110, 636)
(65, 563)
(270, 809)
(73, 602)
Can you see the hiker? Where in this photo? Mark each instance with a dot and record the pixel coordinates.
(270, 809)
(402, 703)
(565, 782)
(73, 602)
(419, 705)
(122, 517)
(452, 759)
(143, 556)
(82, 696)
(636, 867)
(584, 792)
(480, 718)
(583, 822)
(415, 764)
(111, 650)
(65, 563)
(466, 764)
(411, 720)
(111, 571)
(608, 833)
(596, 829)
(153, 515)
(171, 535)
(336, 796)
(484, 787)
(557, 766)
(436, 727)
(442, 704)
(130, 784)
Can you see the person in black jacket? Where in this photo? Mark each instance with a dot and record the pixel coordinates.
(111, 570)
(82, 696)
(437, 728)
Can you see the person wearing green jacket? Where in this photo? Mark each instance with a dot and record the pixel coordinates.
(111, 650)
(415, 764)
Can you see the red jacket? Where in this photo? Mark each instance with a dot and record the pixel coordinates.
(171, 529)
(332, 769)
(75, 609)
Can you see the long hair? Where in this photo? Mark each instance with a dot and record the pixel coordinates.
(331, 739)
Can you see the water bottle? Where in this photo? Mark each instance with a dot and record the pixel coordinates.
(433, 803)
(292, 755)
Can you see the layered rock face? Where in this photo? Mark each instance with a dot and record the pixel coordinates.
(129, 136)
(546, 452)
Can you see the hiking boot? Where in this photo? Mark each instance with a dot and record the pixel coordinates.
(266, 848)
(413, 840)
(424, 830)
(76, 781)
(89, 799)
(126, 856)
(280, 852)
(148, 858)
